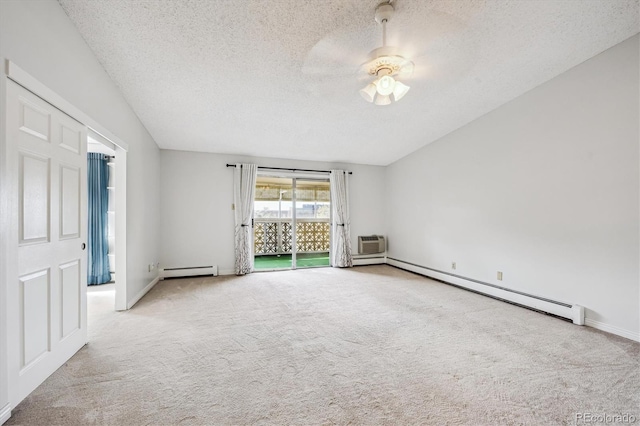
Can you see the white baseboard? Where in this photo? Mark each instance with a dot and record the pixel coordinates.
(5, 413)
(612, 329)
(195, 271)
(362, 261)
(541, 305)
(556, 308)
(188, 272)
(143, 292)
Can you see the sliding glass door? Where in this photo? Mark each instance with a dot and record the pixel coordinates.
(282, 205)
(312, 225)
(272, 223)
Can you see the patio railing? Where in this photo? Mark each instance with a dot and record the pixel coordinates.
(273, 236)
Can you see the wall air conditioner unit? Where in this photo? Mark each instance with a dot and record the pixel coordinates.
(371, 244)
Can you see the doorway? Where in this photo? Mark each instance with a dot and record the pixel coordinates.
(117, 218)
(282, 205)
(43, 238)
(103, 293)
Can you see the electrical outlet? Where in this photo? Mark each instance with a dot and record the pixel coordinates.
(453, 265)
(499, 276)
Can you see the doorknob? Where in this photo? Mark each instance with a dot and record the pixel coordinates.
(84, 246)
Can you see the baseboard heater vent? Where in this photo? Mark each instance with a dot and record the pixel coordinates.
(189, 271)
(369, 259)
(572, 312)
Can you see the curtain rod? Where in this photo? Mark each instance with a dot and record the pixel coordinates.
(290, 170)
(105, 155)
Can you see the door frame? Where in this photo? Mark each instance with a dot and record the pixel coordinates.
(9, 211)
(120, 211)
(5, 207)
(294, 176)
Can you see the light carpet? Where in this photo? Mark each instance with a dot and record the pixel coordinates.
(368, 345)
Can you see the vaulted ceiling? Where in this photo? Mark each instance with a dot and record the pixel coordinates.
(280, 78)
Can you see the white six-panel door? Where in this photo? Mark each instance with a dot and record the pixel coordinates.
(47, 299)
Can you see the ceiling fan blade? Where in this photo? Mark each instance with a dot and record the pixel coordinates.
(414, 33)
(340, 53)
(430, 40)
(442, 62)
(333, 87)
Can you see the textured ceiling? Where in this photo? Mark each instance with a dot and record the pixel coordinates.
(281, 78)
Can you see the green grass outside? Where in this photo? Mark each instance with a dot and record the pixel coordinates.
(303, 260)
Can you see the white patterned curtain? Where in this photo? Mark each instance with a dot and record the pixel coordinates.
(341, 223)
(244, 188)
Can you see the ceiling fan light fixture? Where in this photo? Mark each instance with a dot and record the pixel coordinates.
(383, 100)
(384, 64)
(385, 85)
(399, 90)
(368, 92)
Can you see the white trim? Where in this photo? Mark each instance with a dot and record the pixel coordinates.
(143, 292)
(363, 260)
(24, 79)
(10, 256)
(92, 135)
(189, 272)
(226, 272)
(5, 413)
(324, 175)
(532, 302)
(121, 228)
(5, 251)
(612, 329)
(575, 313)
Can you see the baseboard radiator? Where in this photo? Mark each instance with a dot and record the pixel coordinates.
(572, 312)
(189, 271)
(369, 259)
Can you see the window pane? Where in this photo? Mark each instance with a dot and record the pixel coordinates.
(287, 209)
(306, 210)
(323, 210)
(268, 209)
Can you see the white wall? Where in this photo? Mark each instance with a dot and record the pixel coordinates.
(39, 37)
(544, 188)
(196, 196)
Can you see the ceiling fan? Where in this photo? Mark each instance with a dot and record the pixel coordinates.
(426, 37)
(386, 65)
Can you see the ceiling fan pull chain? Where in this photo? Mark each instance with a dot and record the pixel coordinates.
(384, 33)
